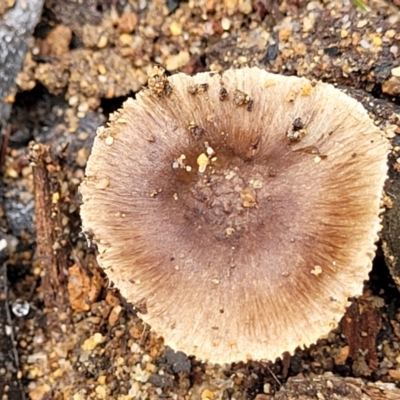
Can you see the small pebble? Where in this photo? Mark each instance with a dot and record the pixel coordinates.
(396, 72)
(176, 29)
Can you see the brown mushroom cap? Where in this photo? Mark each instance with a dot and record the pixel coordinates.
(238, 212)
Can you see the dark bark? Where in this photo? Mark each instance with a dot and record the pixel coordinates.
(10, 384)
(333, 388)
(16, 26)
(391, 221)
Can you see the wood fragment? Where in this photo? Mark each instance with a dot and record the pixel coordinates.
(391, 221)
(52, 257)
(83, 288)
(328, 387)
(361, 325)
(286, 357)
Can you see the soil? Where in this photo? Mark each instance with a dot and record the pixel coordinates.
(65, 333)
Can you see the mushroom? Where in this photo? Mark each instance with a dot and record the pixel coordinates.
(238, 212)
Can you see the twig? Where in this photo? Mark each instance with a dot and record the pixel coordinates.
(273, 375)
(141, 341)
(52, 256)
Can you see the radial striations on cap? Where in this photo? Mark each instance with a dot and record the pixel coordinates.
(239, 211)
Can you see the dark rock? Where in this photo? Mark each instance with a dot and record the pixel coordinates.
(272, 53)
(332, 51)
(178, 361)
(161, 381)
(172, 5)
(19, 215)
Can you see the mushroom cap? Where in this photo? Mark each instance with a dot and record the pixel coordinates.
(238, 212)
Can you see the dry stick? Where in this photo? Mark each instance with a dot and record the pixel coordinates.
(51, 257)
(273, 375)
